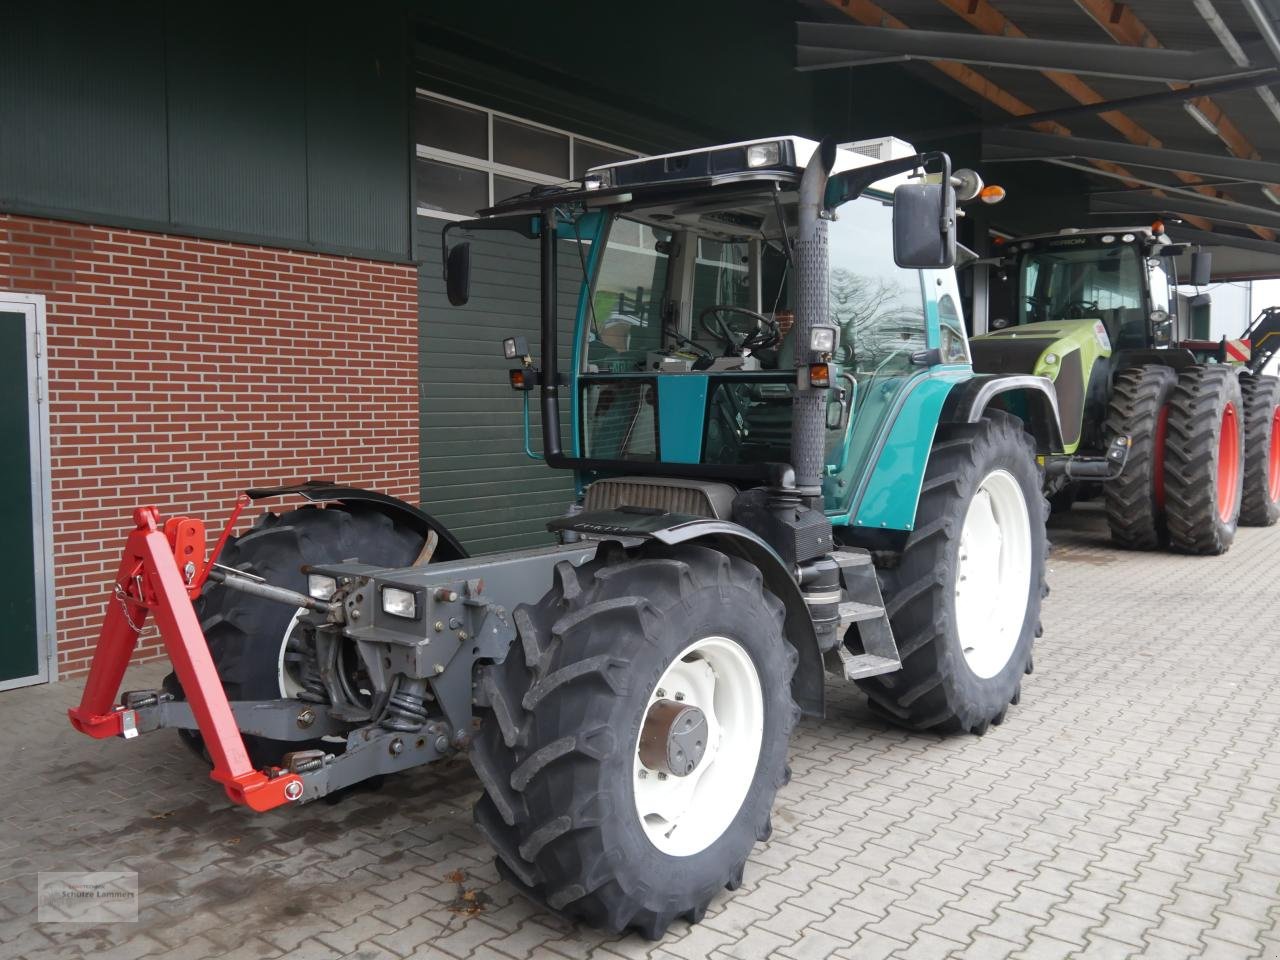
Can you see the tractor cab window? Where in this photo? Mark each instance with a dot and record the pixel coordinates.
(624, 321)
(1085, 281)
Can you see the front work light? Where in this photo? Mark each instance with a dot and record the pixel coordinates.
(763, 155)
(399, 603)
(321, 587)
(822, 339)
(513, 347)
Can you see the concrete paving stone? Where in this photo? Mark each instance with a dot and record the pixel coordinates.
(812, 945)
(1041, 947)
(757, 945)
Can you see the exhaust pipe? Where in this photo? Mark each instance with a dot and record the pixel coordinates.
(809, 412)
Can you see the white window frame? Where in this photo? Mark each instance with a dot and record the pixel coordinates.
(487, 165)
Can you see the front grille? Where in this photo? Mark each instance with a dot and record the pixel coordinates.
(692, 497)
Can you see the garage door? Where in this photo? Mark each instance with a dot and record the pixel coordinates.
(475, 475)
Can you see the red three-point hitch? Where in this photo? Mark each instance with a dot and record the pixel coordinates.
(161, 572)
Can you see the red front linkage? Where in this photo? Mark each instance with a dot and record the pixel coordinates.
(161, 572)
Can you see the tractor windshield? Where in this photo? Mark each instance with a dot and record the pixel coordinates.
(1076, 278)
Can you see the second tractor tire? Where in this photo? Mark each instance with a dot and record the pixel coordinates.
(1204, 459)
(939, 688)
(249, 637)
(1260, 503)
(557, 750)
(1135, 499)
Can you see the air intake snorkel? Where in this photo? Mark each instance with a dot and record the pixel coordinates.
(808, 414)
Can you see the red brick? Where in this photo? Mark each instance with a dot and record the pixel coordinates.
(183, 370)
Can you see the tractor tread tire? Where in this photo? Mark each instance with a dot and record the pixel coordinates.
(554, 750)
(1191, 459)
(245, 632)
(935, 690)
(1261, 397)
(1138, 396)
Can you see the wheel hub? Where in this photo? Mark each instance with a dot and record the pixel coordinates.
(674, 738)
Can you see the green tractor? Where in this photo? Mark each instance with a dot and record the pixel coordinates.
(787, 471)
(1181, 436)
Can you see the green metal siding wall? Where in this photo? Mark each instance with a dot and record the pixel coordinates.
(270, 123)
(475, 476)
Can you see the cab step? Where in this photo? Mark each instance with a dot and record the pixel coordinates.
(869, 650)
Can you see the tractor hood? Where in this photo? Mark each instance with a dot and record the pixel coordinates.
(1065, 351)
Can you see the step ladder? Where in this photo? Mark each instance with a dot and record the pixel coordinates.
(862, 605)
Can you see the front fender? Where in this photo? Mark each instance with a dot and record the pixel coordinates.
(808, 687)
(969, 401)
(398, 510)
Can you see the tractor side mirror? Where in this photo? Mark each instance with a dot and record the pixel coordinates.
(457, 274)
(924, 226)
(1201, 267)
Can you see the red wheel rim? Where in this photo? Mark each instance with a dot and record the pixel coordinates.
(1157, 456)
(1273, 459)
(1228, 463)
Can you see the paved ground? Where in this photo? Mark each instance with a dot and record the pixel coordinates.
(1129, 807)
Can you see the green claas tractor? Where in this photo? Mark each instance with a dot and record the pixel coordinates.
(787, 471)
(1182, 436)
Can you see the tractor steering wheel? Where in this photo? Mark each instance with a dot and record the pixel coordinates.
(1082, 307)
(765, 332)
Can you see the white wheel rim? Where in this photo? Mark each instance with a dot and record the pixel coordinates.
(993, 574)
(290, 687)
(685, 815)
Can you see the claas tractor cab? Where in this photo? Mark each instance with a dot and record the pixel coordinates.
(786, 471)
(1178, 436)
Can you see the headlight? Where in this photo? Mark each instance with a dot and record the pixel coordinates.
(763, 155)
(321, 587)
(1050, 358)
(822, 339)
(399, 603)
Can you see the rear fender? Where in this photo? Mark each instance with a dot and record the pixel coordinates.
(1031, 398)
(398, 510)
(808, 685)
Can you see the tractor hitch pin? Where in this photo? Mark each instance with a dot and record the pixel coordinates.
(258, 588)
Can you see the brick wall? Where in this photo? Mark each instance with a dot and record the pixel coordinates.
(182, 371)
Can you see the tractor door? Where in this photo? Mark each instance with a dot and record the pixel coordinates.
(879, 308)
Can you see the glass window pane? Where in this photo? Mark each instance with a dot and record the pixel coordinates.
(588, 155)
(619, 421)
(443, 186)
(505, 187)
(450, 127)
(530, 148)
(630, 286)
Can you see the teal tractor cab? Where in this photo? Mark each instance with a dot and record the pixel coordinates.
(1180, 437)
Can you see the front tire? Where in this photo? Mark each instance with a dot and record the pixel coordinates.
(571, 805)
(1204, 453)
(1139, 410)
(1260, 503)
(964, 599)
(251, 639)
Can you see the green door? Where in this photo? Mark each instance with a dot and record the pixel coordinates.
(22, 566)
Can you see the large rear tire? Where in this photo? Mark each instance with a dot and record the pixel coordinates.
(1204, 457)
(1139, 410)
(964, 599)
(1260, 503)
(577, 816)
(251, 638)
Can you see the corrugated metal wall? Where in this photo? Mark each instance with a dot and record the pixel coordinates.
(475, 476)
(268, 123)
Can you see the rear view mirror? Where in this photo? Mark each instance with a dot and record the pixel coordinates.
(1201, 267)
(924, 226)
(457, 274)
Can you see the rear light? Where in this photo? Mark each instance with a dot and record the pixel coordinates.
(991, 194)
(819, 374)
